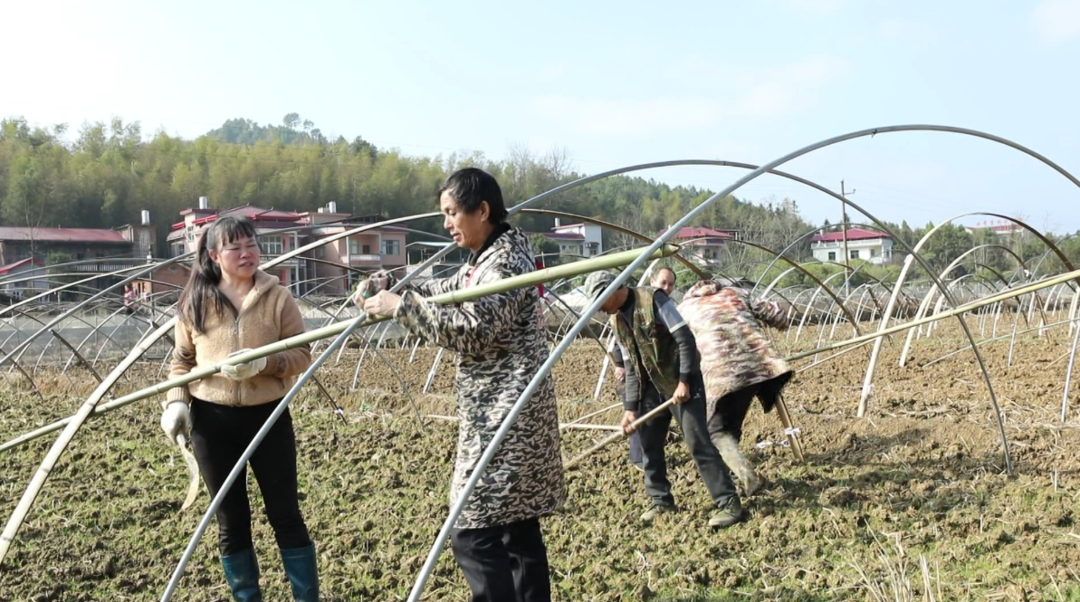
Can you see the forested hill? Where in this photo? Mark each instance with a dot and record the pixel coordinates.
(105, 174)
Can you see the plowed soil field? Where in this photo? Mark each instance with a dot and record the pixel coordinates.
(910, 502)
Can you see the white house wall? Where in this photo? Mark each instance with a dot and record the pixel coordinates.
(865, 249)
(592, 234)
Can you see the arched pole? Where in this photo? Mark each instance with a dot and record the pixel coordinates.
(617, 228)
(1007, 283)
(924, 305)
(78, 348)
(342, 334)
(404, 386)
(869, 132)
(810, 304)
(64, 287)
(500, 434)
(139, 270)
(914, 254)
(87, 408)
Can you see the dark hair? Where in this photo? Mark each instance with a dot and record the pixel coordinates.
(202, 292)
(470, 187)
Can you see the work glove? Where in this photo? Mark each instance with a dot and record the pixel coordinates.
(176, 419)
(243, 371)
(372, 285)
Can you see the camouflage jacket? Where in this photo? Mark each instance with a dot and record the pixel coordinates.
(500, 346)
(735, 351)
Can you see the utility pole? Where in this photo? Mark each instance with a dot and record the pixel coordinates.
(843, 225)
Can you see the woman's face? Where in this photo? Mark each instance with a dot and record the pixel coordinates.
(469, 230)
(238, 259)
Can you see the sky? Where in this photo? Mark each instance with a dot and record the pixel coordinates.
(612, 84)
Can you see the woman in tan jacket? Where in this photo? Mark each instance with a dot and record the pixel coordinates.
(229, 306)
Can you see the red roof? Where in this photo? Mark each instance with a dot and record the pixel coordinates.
(260, 213)
(87, 235)
(852, 234)
(699, 232)
(248, 211)
(4, 269)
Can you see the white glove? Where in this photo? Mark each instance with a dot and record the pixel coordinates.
(243, 371)
(176, 419)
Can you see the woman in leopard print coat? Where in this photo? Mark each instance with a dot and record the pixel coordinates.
(500, 344)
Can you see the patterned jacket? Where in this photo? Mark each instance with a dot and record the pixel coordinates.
(500, 346)
(735, 352)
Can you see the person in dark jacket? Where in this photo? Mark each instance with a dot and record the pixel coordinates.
(663, 279)
(662, 363)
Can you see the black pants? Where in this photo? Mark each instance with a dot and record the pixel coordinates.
(219, 436)
(731, 411)
(637, 457)
(691, 417)
(507, 563)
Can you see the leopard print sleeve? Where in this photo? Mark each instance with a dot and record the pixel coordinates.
(470, 328)
(430, 287)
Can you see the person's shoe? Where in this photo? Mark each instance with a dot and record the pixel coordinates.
(651, 514)
(301, 567)
(729, 514)
(242, 575)
(757, 483)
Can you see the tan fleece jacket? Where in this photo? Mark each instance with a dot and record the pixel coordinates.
(269, 314)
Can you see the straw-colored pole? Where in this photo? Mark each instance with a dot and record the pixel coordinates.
(525, 280)
(619, 435)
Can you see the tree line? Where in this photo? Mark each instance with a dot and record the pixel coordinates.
(107, 173)
(110, 172)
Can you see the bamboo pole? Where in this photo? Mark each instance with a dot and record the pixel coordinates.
(592, 427)
(562, 425)
(596, 413)
(434, 370)
(75, 353)
(72, 424)
(334, 406)
(461, 296)
(1068, 376)
(956, 311)
(789, 428)
(619, 435)
(1011, 336)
